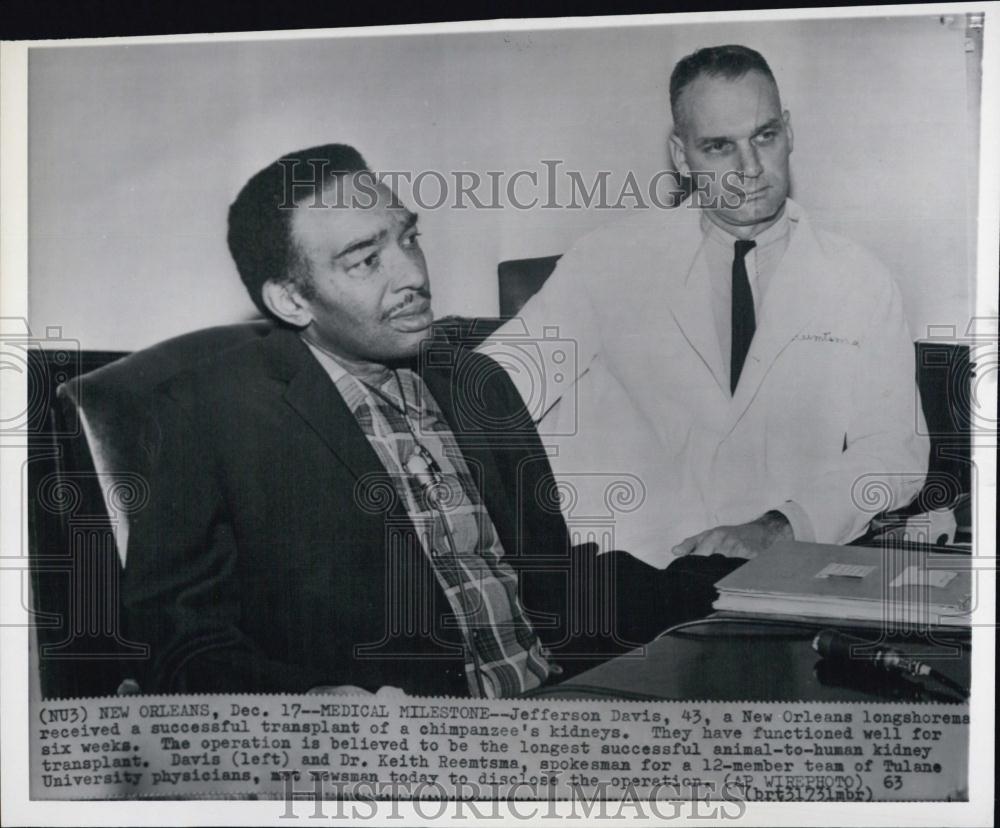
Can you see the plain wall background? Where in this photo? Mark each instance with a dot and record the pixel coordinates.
(136, 151)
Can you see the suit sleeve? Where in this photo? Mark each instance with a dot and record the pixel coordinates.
(884, 462)
(179, 592)
(586, 606)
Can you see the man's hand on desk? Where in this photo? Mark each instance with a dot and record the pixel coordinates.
(745, 540)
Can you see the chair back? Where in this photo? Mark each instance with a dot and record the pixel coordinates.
(88, 478)
(112, 405)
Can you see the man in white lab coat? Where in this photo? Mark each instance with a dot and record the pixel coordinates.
(751, 372)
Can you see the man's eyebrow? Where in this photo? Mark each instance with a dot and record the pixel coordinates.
(713, 139)
(774, 123)
(371, 241)
(358, 244)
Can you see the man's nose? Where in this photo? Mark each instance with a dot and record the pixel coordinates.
(409, 272)
(750, 164)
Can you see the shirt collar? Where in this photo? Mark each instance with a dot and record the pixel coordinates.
(774, 233)
(335, 370)
(356, 392)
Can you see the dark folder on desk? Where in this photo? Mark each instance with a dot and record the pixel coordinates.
(899, 587)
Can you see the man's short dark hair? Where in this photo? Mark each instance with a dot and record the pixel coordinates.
(729, 62)
(259, 237)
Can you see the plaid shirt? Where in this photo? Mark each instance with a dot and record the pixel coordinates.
(503, 656)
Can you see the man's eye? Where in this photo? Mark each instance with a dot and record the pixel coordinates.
(767, 136)
(411, 240)
(717, 147)
(368, 262)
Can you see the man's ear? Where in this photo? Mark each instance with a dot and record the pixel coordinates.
(285, 301)
(787, 118)
(677, 154)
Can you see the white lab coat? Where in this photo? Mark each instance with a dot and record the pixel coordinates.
(646, 399)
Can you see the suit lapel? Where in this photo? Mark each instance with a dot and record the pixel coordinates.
(475, 443)
(312, 394)
(690, 301)
(315, 399)
(691, 307)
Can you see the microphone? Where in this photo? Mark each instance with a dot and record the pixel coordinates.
(837, 647)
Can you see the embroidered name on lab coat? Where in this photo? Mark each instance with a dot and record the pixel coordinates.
(827, 336)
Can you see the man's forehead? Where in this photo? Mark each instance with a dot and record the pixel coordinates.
(356, 190)
(348, 209)
(717, 106)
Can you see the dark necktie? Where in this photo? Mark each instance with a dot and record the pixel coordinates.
(744, 321)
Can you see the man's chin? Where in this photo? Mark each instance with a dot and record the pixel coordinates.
(406, 344)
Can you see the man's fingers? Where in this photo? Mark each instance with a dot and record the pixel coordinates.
(687, 546)
(722, 540)
(730, 541)
(730, 546)
(733, 545)
(710, 542)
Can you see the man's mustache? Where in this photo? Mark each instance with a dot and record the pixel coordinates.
(419, 293)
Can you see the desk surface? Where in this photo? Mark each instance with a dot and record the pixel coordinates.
(743, 661)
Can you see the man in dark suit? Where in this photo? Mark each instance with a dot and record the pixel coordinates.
(352, 502)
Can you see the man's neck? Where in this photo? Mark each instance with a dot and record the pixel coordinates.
(371, 373)
(745, 231)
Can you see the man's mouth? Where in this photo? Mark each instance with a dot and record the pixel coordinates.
(413, 316)
(756, 194)
(415, 307)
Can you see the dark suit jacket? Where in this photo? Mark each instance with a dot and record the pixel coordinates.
(273, 554)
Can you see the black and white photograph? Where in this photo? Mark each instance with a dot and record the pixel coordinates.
(590, 417)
